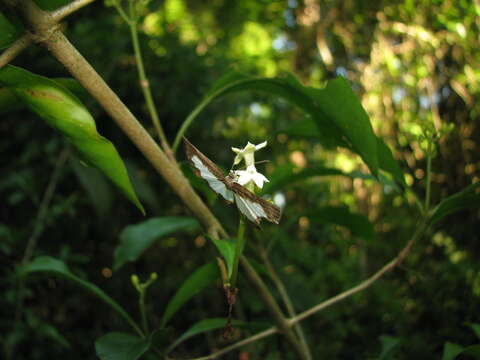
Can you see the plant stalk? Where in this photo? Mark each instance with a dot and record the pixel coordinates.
(239, 246)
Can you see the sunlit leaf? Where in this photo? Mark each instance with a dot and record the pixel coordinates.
(135, 239)
(64, 112)
(121, 346)
(196, 282)
(467, 198)
(49, 265)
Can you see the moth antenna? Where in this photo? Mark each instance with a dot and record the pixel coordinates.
(262, 162)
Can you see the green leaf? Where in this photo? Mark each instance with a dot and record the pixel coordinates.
(64, 112)
(472, 350)
(467, 198)
(97, 187)
(227, 249)
(196, 282)
(213, 324)
(335, 109)
(9, 31)
(338, 105)
(451, 351)
(358, 224)
(8, 101)
(476, 328)
(135, 239)
(49, 265)
(389, 344)
(286, 175)
(388, 163)
(121, 346)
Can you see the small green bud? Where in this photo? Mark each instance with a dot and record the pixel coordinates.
(135, 281)
(153, 276)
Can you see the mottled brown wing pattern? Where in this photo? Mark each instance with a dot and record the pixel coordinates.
(191, 150)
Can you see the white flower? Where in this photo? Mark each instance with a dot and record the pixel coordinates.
(245, 176)
(247, 153)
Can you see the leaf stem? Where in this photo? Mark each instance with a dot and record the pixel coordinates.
(239, 245)
(144, 83)
(286, 300)
(143, 311)
(428, 177)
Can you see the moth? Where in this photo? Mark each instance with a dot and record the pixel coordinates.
(252, 206)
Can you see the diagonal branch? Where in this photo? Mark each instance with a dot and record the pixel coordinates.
(64, 11)
(76, 64)
(333, 300)
(16, 48)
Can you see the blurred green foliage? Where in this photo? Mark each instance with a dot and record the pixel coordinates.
(414, 65)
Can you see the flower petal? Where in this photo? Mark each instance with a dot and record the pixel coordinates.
(261, 145)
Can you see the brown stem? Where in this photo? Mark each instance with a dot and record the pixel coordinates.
(76, 64)
(16, 48)
(286, 299)
(273, 308)
(69, 9)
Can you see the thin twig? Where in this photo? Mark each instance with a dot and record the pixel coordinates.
(38, 227)
(241, 343)
(15, 49)
(273, 308)
(323, 305)
(64, 11)
(145, 86)
(286, 299)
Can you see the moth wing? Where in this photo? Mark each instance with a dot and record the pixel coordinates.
(207, 170)
(254, 207)
(251, 210)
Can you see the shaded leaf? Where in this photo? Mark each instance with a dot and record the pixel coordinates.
(213, 324)
(135, 239)
(64, 112)
(451, 351)
(9, 31)
(472, 350)
(49, 265)
(388, 163)
(196, 282)
(476, 328)
(121, 346)
(358, 224)
(286, 175)
(389, 345)
(98, 189)
(467, 198)
(227, 249)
